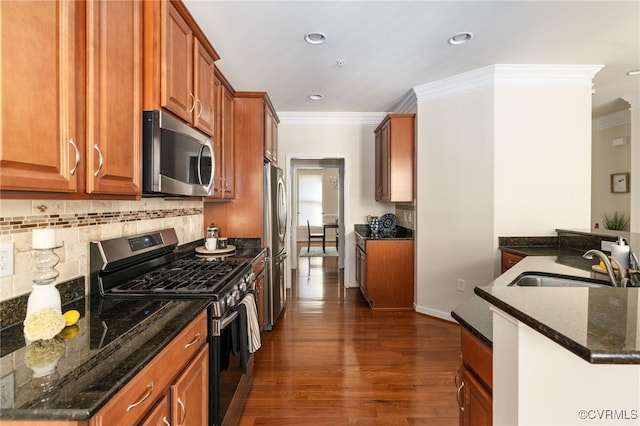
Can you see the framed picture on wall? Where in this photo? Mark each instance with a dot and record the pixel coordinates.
(620, 182)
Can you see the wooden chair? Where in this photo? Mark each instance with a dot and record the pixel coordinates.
(310, 236)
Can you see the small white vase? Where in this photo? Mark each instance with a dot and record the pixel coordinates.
(43, 296)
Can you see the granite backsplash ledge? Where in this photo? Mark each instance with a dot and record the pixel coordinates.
(13, 311)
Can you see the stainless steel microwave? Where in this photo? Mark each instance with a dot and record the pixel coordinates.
(176, 159)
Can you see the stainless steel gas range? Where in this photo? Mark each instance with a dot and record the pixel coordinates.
(146, 267)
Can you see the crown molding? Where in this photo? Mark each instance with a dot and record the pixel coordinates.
(614, 119)
(633, 99)
(407, 104)
(508, 75)
(292, 117)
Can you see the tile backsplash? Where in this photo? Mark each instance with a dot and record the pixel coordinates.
(79, 222)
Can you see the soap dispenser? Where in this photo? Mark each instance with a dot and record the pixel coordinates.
(620, 252)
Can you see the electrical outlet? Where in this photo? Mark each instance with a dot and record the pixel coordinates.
(606, 245)
(460, 284)
(6, 259)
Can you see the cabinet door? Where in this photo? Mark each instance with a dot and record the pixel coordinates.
(114, 97)
(382, 163)
(177, 63)
(385, 173)
(40, 139)
(268, 134)
(217, 138)
(203, 113)
(228, 145)
(477, 402)
(159, 416)
(190, 393)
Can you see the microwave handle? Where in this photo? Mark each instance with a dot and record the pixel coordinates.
(213, 165)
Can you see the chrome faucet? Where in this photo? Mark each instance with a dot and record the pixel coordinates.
(622, 279)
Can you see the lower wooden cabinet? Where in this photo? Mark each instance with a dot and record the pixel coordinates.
(384, 271)
(177, 378)
(508, 260)
(159, 416)
(189, 393)
(474, 382)
(259, 271)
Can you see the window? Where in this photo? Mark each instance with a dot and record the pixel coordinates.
(310, 199)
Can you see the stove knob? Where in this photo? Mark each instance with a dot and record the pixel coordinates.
(243, 286)
(230, 300)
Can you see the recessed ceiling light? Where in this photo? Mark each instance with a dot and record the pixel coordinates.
(315, 37)
(634, 72)
(460, 38)
(316, 96)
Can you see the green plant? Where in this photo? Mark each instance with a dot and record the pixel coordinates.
(616, 221)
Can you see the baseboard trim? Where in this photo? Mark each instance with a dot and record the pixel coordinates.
(433, 313)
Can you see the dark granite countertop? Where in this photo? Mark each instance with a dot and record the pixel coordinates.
(400, 233)
(599, 325)
(115, 340)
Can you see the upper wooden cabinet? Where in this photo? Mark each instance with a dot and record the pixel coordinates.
(114, 97)
(395, 158)
(41, 137)
(223, 141)
(45, 145)
(179, 65)
(270, 133)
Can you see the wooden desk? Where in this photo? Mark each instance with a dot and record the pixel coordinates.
(324, 233)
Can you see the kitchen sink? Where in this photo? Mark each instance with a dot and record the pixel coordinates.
(543, 279)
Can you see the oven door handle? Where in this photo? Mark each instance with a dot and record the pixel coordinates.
(219, 325)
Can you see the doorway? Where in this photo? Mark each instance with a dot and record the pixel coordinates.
(329, 174)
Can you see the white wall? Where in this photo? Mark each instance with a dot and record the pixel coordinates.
(338, 135)
(454, 202)
(542, 159)
(501, 151)
(608, 159)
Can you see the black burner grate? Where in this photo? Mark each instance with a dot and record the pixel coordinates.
(184, 276)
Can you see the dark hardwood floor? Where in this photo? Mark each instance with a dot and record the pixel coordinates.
(331, 360)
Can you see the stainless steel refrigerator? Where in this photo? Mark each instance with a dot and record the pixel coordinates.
(275, 226)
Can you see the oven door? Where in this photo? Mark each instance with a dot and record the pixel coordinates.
(229, 365)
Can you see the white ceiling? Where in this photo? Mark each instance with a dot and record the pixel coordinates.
(389, 47)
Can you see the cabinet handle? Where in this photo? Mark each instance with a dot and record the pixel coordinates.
(184, 412)
(196, 340)
(75, 166)
(144, 397)
(223, 187)
(193, 104)
(199, 103)
(100, 160)
(165, 421)
(460, 404)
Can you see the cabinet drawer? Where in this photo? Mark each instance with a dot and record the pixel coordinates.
(477, 357)
(131, 403)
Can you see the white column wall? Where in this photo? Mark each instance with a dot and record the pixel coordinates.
(542, 160)
(454, 202)
(501, 151)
